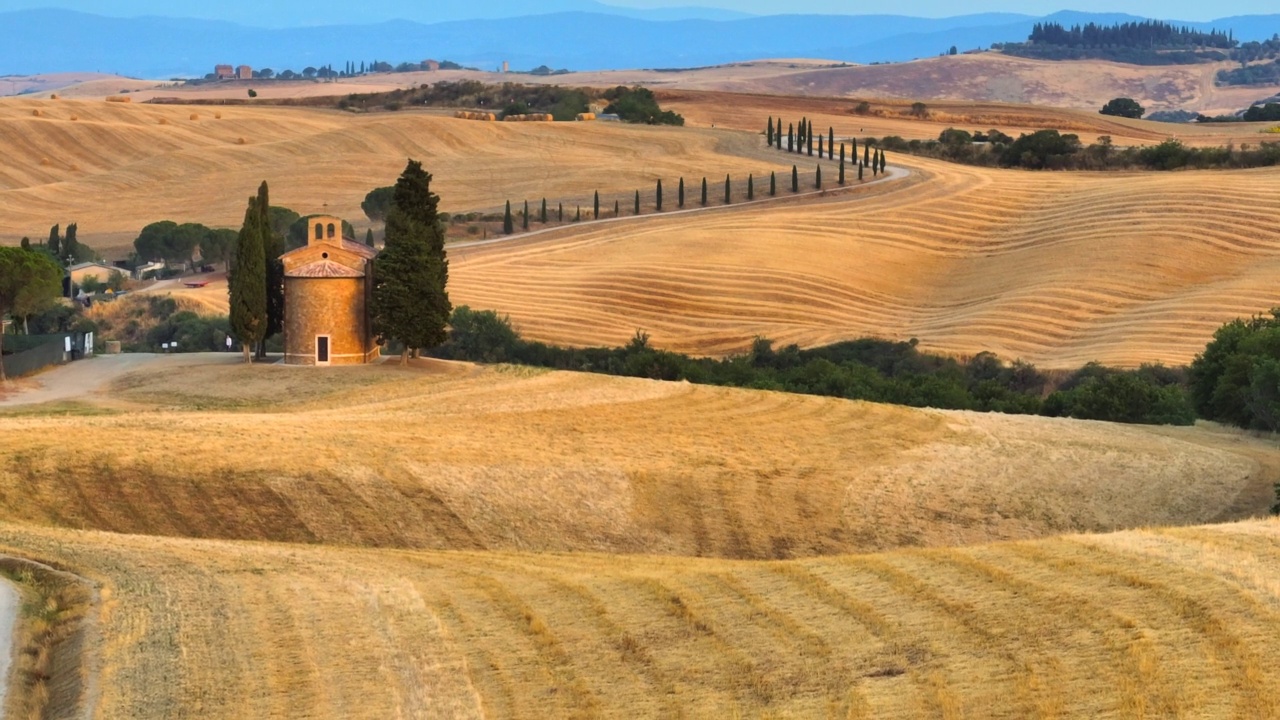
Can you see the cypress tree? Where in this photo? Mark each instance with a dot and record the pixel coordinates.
(809, 138)
(70, 247)
(596, 205)
(560, 212)
(247, 283)
(841, 164)
(368, 237)
(578, 217)
(508, 226)
(273, 246)
(617, 208)
(543, 215)
(727, 198)
(659, 204)
(882, 161)
(831, 143)
(773, 183)
(524, 216)
(860, 166)
(751, 187)
(637, 202)
(704, 192)
(681, 192)
(853, 153)
(769, 132)
(818, 178)
(866, 154)
(795, 179)
(804, 128)
(791, 139)
(410, 301)
(25, 244)
(55, 243)
(821, 150)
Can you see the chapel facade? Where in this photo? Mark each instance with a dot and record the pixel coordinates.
(327, 287)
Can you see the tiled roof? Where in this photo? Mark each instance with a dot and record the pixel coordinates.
(324, 269)
(359, 248)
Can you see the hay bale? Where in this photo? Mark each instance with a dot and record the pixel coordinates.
(119, 99)
(586, 117)
(241, 141)
(217, 116)
(194, 116)
(38, 113)
(54, 97)
(164, 121)
(74, 118)
(45, 162)
(75, 168)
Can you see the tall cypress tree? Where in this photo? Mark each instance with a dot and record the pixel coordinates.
(831, 143)
(70, 247)
(704, 192)
(817, 182)
(524, 217)
(560, 212)
(809, 139)
(769, 132)
(410, 302)
(821, 149)
(882, 161)
(578, 217)
(778, 135)
(751, 187)
(596, 205)
(841, 164)
(543, 215)
(617, 208)
(681, 193)
(659, 195)
(727, 198)
(55, 244)
(860, 167)
(508, 225)
(791, 139)
(866, 153)
(773, 183)
(368, 237)
(637, 202)
(853, 151)
(795, 179)
(247, 283)
(273, 246)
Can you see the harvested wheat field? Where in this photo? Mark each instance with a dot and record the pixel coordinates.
(1169, 623)
(400, 578)
(1121, 268)
(117, 167)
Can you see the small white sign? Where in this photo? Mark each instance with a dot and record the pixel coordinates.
(164, 346)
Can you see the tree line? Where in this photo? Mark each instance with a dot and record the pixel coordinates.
(1052, 150)
(1147, 42)
(800, 140)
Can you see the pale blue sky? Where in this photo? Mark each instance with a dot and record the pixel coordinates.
(1180, 9)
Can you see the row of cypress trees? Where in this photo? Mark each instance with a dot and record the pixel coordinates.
(799, 139)
(410, 301)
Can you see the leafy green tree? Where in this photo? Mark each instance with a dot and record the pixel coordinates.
(410, 295)
(1039, 150)
(247, 283)
(169, 241)
(377, 203)
(508, 225)
(659, 195)
(638, 105)
(1123, 107)
(282, 220)
(25, 244)
(30, 281)
(217, 246)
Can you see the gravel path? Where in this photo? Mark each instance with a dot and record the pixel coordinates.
(8, 621)
(85, 378)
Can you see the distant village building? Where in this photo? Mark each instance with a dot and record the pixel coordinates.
(224, 72)
(431, 65)
(244, 72)
(327, 285)
(506, 66)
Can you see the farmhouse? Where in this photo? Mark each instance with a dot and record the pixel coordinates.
(244, 72)
(327, 284)
(91, 270)
(224, 72)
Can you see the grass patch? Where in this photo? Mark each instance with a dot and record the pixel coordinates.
(59, 408)
(45, 679)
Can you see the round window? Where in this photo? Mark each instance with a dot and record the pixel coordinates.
(325, 255)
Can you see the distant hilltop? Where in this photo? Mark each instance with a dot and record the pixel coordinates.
(160, 47)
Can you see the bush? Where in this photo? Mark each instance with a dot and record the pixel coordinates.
(638, 105)
(1124, 107)
(1146, 396)
(1236, 380)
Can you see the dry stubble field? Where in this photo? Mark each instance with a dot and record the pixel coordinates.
(453, 541)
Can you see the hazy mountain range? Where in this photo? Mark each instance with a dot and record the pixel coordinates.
(42, 41)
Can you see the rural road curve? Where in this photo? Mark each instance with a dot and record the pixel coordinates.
(83, 378)
(8, 621)
(891, 174)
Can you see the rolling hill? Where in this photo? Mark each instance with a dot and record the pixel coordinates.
(449, 541)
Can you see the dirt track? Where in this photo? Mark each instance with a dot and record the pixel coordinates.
(86, 378)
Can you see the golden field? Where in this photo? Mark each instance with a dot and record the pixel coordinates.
(454, 541)
(1121, 268)
(113, 167)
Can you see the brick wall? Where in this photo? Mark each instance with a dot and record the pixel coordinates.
(326, 306)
